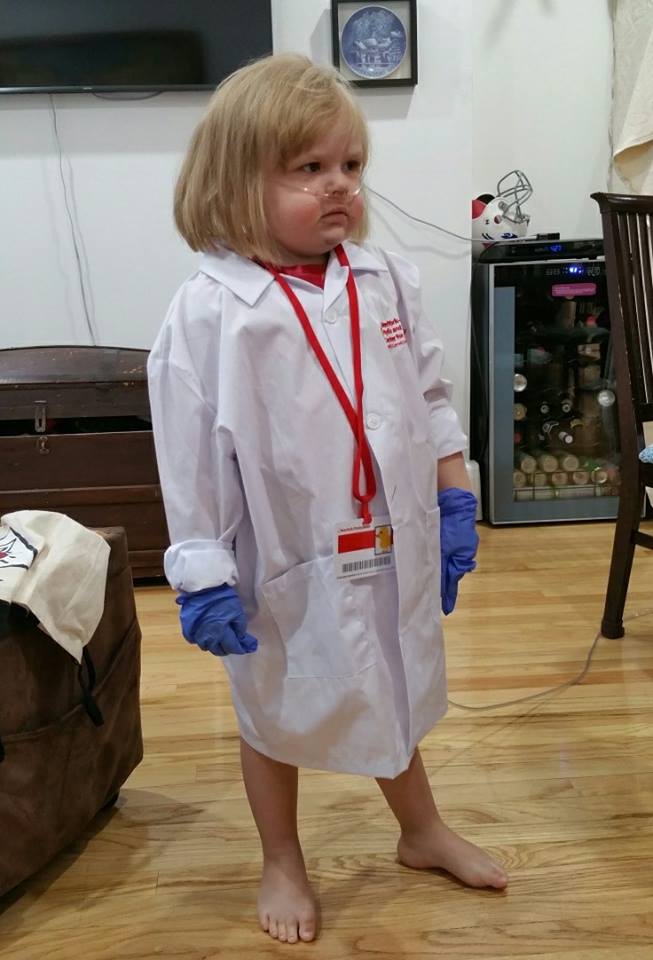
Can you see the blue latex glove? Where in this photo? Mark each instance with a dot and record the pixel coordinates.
(214, 619)
(646, 455)
(458, 541)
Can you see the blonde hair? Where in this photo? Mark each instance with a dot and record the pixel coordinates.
(259, 118)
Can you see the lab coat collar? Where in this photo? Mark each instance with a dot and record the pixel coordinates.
(248, 281)
(243, 277)
(361, 260)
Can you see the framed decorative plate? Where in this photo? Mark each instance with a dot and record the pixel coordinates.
(375, 44)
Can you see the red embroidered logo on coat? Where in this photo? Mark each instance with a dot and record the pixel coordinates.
(393, 332)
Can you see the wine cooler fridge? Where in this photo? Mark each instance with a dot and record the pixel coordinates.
(543, 400)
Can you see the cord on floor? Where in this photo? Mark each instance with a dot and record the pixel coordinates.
(562, 686)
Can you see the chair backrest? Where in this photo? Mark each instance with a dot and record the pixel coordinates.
(628, 242)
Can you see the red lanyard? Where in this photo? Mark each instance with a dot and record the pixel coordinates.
(363, 456)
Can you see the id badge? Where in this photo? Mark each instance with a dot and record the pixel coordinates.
(361, 549)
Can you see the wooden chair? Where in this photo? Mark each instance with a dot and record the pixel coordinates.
(628, 236)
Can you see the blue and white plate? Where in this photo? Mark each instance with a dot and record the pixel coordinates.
(373, 42)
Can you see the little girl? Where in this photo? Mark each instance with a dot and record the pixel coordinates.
(305, 438)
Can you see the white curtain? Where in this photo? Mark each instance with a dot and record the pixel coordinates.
(632, 115)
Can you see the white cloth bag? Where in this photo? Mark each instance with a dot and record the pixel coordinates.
(57, 569)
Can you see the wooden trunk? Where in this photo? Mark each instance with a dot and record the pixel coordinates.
(76, 437)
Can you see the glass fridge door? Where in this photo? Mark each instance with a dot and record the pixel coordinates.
(554, 446)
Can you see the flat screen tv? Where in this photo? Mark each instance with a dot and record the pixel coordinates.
(59, 46)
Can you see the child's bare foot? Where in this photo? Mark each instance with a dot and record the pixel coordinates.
(286, 905)
(439, 847)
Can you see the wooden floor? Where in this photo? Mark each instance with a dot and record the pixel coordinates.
(560, 790)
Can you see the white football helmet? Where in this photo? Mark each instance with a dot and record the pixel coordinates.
(501, 217)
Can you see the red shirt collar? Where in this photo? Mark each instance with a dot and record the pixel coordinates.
(311, 272)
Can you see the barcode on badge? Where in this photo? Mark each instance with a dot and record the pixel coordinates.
(374, 564)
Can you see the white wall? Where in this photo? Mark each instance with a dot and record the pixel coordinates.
(123, 157)
(549, 69)
(542, 103)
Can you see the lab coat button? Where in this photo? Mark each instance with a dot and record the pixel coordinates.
(330, 317)
(373, 421)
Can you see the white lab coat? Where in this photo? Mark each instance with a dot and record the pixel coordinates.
(255, 456)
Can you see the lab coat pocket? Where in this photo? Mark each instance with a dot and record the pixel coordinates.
(321, 621)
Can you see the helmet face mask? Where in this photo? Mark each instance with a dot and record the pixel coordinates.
(512, 190)
(502, 217)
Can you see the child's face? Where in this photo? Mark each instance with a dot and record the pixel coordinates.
(309, 205)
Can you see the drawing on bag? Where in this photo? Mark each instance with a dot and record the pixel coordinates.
(15, 551)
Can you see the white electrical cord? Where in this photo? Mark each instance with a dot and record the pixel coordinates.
(562, 686)
(427, 223)
(74, 226)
